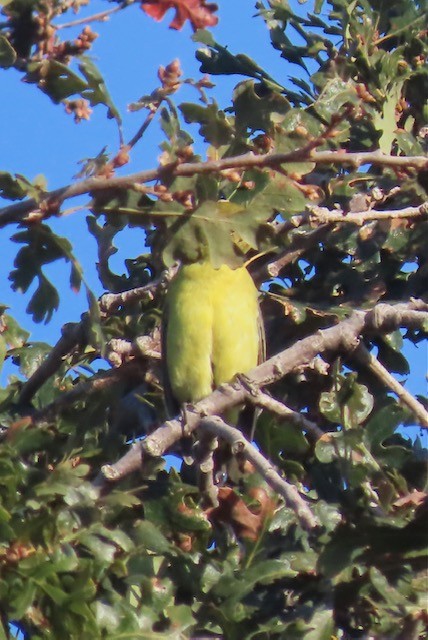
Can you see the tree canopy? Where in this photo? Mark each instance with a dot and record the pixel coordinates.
(317, 181)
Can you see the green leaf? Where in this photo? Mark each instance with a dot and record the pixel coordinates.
(55, 79)
(25, 593)
(215, 127)
(150, 537)
(101, 550)
(96, 91)
(44, 301)
(218, 60)
(58, 596)
(348, 403)
(214, 230)
(385, 121)
(12, 188)
(42, 247)
(30, 357)
(321, 625)
(107, 617)
(7, 53)
(341, 552)
(258, 108)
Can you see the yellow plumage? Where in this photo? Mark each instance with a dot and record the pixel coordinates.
(212, 330)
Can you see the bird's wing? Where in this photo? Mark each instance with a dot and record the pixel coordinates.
(262, 338)
(171, 404)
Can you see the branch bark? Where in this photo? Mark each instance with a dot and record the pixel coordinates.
(239, 444)
(341, 337)
(264, 401)
(17, 212)
(367, 359)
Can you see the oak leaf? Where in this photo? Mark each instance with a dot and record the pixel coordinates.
(199, 13)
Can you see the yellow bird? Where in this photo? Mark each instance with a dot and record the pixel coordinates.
(212, 330)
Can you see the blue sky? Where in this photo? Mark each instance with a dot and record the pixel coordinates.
(39, 137)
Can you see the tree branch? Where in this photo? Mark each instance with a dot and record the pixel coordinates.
(130, 462)
(264, 401)
(72, 334)
(240, 445)
(17, 212)
(110, 302)
(204, 456)
(321, 215)
(96, 17)
(99, 382)
(363, 355)
(341, 337)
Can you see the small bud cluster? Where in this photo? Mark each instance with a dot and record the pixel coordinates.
(79, 108)
(51, 48)
(170, 77)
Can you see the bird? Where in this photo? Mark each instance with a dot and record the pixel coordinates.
(212, 330)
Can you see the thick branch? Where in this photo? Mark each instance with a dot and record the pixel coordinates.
(110, 302)
(130, 462)
(216, 426)
(367, 359)
(17, 212)
(321, 215)
(342, 337)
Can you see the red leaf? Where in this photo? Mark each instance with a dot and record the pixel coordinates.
(198, 12)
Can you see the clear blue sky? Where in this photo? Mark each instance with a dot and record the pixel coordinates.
(39, 137)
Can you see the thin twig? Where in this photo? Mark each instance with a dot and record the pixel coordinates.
(216, 426)
(299, 245)
(72, 334)
(261, 399)
(96, 17)
(17, 212)
(99, 382)
(363, 355)
(135, 138)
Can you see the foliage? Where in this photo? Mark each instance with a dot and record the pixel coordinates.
(146, 557)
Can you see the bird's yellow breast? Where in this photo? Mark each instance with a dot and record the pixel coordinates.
(212, 328)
